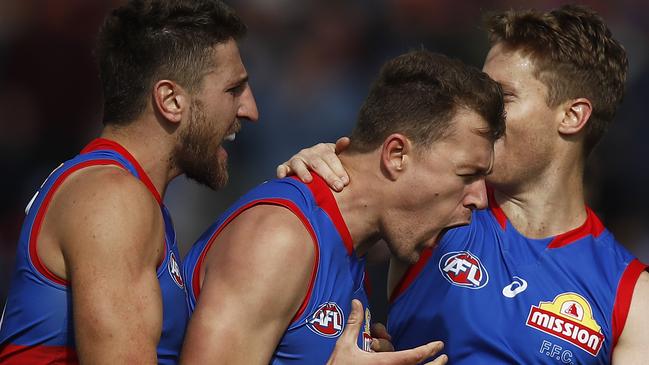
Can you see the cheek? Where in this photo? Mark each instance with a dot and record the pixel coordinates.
(441, 206)
(522, 134)
(439, 214)
(221, 112)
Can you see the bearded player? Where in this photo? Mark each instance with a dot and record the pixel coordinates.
(97, 276)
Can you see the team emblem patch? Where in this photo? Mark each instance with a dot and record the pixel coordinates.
(463, 269)
(174, 271)
(327, 320)
(367, 334)
(569, 317)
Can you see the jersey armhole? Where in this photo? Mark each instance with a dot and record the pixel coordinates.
(623, 297)
(410, 275)
(273, 201)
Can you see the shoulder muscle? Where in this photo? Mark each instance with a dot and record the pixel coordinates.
(101, 210)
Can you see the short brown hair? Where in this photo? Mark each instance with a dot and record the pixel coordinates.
(148, 40)
(574, 54)
(418, 94)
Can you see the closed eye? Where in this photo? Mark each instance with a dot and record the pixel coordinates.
(469, 178)
(237, 90)
(508, 96)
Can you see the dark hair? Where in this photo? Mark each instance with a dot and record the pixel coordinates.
(145, 41)
(574, 54)
(418, 94)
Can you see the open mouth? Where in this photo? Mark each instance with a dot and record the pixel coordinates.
(232, 132)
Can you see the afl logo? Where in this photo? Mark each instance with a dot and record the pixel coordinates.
(327, 321)
(462, 268)
(174, 271)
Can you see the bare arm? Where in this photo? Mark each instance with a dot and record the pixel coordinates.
(321, 158)
(110, 232)
(257, 274)
(633, 344)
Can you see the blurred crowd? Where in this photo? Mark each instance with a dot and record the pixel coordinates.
(311, 63)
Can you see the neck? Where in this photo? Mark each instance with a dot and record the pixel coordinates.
(359, 202)
(152, 152)
(550, 205)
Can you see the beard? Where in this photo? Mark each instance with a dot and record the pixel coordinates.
(196, 153)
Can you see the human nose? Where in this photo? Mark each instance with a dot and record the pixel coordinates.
(248, 106)
(476, 195)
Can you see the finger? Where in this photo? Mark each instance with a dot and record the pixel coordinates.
(440, 360)
(300, 168)
(316, 151)
(342, 143)
(413, 356)
(354, 323)
(429, 350)
(283, 170)
(335, 165)
(378, 330)
(327, 174)
(381, 345)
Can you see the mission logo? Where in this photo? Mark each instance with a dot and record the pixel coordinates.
(570, 318)
(463, 269)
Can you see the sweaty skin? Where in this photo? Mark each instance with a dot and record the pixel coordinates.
(78, 242)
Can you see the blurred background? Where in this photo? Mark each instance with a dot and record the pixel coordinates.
(311, 63)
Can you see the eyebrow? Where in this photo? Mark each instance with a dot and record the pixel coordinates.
(506, 86)
(480, 170)
(241, 81)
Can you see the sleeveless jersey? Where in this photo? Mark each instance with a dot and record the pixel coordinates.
(338, 275)
(37, 326)
(496, 297)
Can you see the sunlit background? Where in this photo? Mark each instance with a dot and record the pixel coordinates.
(311, 63)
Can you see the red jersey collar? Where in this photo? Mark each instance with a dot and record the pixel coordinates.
(325, 200)
(106, 144)
(592, 226)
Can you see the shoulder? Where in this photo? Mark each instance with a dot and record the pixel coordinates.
(284, 189)
(108, 189)
(104, 183)
(267, 230)
(105, 202)
(265, 253)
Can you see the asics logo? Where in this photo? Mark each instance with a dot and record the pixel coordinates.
(516, 287)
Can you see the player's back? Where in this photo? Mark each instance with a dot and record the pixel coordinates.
(496, 297)
(37, 325)
(339, 274)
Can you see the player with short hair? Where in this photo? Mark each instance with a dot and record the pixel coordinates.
(97, 277)
(272, 279)
(537, 278)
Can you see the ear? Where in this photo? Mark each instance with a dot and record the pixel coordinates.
(395, 154)
(170, 100)
(576, 115)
